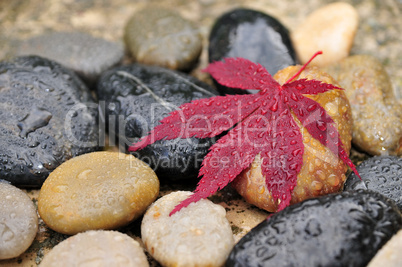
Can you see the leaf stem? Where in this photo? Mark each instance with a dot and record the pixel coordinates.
(304, 66)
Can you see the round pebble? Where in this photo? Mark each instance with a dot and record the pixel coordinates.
(100, 190)
(88, 56)
(330, 29)
(159, 36)
(390, 254)
(377, 114)
(47, 117)
(136, 98)
(322, 171)
(344, 229)
(97, 248)
(18, 221)
(198, 235)
(253, 35)
(382, 174)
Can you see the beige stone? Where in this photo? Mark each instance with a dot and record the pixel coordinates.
(99, 190)
(18, 221)
(97, 248)
(330, 29)
(198, 235)
(390, 254)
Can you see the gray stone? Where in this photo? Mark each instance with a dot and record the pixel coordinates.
(88, 56)
(158, 36)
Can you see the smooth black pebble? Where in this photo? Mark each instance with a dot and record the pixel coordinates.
(87, 55)
(252, 35)
(48, 116)
(344, 229)
(135, 98)
(382, 174)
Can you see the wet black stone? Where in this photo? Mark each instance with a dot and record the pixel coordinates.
(252, 35)
(88, 56)
(382, 174)
(47, 117)
(135, 98)
(344, 229)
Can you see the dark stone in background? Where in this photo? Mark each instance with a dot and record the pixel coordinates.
(252, 35)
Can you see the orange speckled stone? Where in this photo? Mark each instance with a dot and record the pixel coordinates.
(322, 172)
(99, 190)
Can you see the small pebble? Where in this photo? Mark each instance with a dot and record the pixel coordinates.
(341, 229)
(88, 56)
(158, 36)
(330, 29)
(136, 98)
(18, 221)
(377, 115)
(196, 236)
(47, 117)
(100, 190)
(252, 35)
(322, 171)
(97, 248)
(390, 254)
(382, 174)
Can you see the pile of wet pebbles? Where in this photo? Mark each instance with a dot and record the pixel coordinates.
(60, 104)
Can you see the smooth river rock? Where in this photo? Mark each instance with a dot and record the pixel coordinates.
(196, 236)
(87, 55)
(330, 29)
(99, 190)
(97, 248)
(47, 117)
(18, 221)
(134, 98)
(377, 114)
(343, 229)
(159, 36)
(252, 35)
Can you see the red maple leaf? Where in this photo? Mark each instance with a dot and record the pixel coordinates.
(260, 123)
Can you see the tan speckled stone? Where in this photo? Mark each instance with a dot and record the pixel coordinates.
(377, 115)
(331, 29)
(322, 171)
(99, 190)
(159, 36)
(97, 248)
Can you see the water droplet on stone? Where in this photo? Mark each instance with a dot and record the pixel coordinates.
(84, 174)
(60, 188)
(36, 118)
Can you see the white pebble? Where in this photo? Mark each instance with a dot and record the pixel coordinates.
(97, 248)
(330, 29)
(198, 235)
(18, 221)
